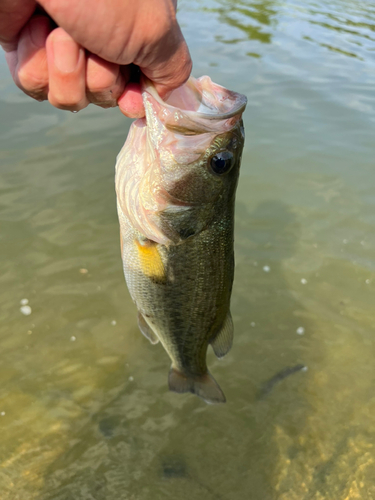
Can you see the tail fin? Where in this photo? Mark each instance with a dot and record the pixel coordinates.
(204, 386)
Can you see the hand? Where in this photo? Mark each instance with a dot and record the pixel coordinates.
(88, 57)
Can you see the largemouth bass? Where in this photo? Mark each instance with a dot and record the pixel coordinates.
(176, 178)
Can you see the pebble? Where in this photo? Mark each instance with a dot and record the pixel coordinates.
(73, 338)
(300, 330)
(26, 310)
(114, 322)
(131, 379)
(303, 281)
(23, 302)
(266, 269)
(2, 413)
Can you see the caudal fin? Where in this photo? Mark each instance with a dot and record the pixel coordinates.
(204, 386)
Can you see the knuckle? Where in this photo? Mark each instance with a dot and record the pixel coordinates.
(104, 87)
(65, 102)
(103, 99)
(38, 96)
(104, 103)
(100, 85)
(101, 76)
(30, 80)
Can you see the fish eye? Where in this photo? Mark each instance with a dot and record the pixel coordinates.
(222, 162)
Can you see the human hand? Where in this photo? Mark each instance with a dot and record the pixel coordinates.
(88, 57)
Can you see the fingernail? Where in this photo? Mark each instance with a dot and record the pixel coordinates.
(66, 54)
(39, 28)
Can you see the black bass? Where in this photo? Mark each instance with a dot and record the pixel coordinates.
(176, 178)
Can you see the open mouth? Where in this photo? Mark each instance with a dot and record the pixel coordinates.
(199, 99)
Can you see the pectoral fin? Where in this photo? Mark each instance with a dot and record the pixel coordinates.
(222, 342)
(146, 330)
(204, 386)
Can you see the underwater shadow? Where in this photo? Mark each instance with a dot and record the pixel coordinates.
(272, 348)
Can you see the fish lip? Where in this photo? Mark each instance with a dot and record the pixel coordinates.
(147, 86)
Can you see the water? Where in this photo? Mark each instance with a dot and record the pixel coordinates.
(84, 407)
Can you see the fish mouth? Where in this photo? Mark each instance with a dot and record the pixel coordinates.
(199, 106)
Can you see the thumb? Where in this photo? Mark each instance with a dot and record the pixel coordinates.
(166, 61)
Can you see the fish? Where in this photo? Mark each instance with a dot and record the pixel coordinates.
(268, 386)
(176, 179)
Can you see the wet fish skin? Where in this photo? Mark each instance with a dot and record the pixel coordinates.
(178, 252)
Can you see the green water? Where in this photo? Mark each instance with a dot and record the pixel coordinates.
(85, 410)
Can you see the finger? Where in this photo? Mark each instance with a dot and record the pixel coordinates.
(14, 14)
(130, 102)
(66, 72)
(127, 27)
(165, 58)
(85, 20)
(31, 72)
(104, 82)
(168, 64)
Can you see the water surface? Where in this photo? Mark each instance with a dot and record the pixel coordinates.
(85, 411)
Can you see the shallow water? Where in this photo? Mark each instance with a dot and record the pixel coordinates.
(84, 407)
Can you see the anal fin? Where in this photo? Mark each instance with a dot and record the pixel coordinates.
(204, 386)
(147, 330)
(222, 342)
